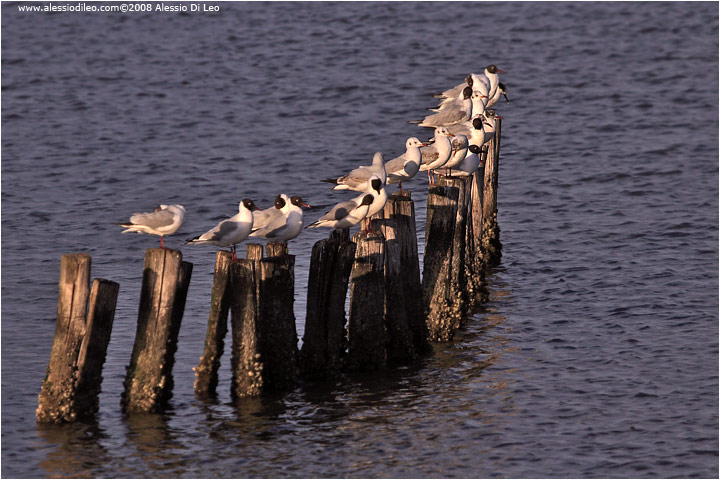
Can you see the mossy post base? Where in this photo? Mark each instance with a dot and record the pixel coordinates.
(444, 294)
(82, 333)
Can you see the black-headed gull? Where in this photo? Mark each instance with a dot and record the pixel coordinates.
(477, 130)
(357, 179)
(405, 167)
(284, 220)
(436, 155)
(489, 124)
(231, 231)
(470, 163)
(491, 75)
(163, 220)
(376, 188)
(460, 148)
(345, 214)
(451, 115)
(500, 90)
(454, 102)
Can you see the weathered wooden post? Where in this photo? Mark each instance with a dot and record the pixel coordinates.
(103, 300)
(491, 229)
(404, 315)
(246, 361)
(366, 330)
(148, 381)
(324, 341)
(444, 295)
(73, 381)
(474, 254)
(206, 372)
(264, 335)
(276, 318)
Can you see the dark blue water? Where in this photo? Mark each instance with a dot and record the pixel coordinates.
(597, 354)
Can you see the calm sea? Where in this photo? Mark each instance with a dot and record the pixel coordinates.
(597, 354)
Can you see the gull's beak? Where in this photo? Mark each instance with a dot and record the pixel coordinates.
(506, 99)
(451, 134)
(500, 71)
(498, 116)
(424, 144)
(306, 205)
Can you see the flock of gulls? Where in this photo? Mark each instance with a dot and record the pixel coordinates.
(463, 122)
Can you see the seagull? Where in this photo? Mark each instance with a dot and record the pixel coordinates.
(231, 231)
(500, 90)
(163, 220)
(285, 223)
(491, 75)
(345, 214)
(456, 91)
(489, 124)
(478, 101)
(450, 116)
(478, 130)
(481, 84)
(357, 179)
(437, 154)
(460, 148)
(470, 164)
(406, 166)
(376, 188)
(453, 102)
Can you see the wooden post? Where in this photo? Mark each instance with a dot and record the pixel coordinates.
(275, 249)
(474, 254)
(148, 381)
(324, 341)
(247, 366)
(444, 295)
(103, 300)
(276, 319)
(404, 316)
(56, 400)
(491, 231)
(264, 335)
(74, 373)
(206, 373)
(366, 329)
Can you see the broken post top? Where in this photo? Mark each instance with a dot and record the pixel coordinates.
(254, 251)
(275, 249)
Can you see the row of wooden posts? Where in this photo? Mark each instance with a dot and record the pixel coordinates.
(394, 315)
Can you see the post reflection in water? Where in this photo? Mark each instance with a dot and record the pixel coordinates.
(74, 448)
(158, 447)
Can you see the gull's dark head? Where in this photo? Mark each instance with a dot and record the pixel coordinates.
(376, 184)
(469, 80)
(474, 149)
(249, 204)
(467, 92)
(367, 199)
(298, 201)
(279, 202)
